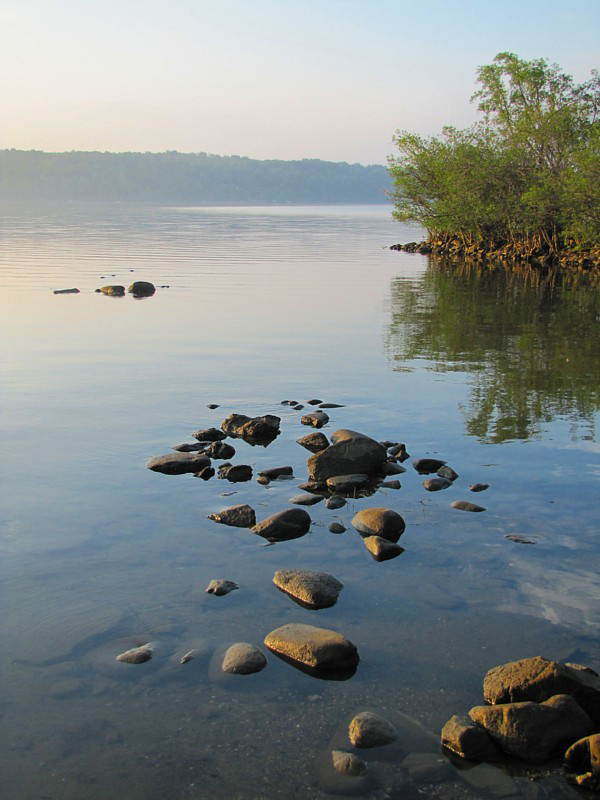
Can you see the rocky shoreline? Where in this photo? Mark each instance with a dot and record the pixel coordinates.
(567, 258)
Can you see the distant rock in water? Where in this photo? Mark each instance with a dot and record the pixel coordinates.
(142, 289)
(66, 291)
(221, 587)
(315, 418)
(178, 463)
(425, 466)
(114, 291)
(315, 442)
(137, 655)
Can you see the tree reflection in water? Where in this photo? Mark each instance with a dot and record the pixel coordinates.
(530, 341)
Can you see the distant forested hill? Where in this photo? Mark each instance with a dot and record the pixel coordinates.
(186, 178)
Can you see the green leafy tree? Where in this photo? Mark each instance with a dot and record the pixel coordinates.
(522, 175)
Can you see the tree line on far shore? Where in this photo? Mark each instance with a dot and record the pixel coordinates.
(186, 178)
(526, 178)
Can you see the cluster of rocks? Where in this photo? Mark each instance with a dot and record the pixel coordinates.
(536, 709)
(510, 252)
(137, 289)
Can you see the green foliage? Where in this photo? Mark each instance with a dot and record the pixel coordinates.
(527, 174)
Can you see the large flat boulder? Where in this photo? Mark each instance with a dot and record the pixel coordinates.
(538, 679)
(534, 731)
(310, 589)
(314, 647)
(350, 452)
(383, 522)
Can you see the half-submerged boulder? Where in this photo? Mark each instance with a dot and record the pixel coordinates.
(582, 762)
(316, 419)
(242, 516)
(349, 453)
(284, 525)
(381, 522)
(309, 589)
(209, 435)
(534, 731)
(178, 463)
(466, 739)
(370, 730)
(315, 442)
(142, 289)
(243, 658)
(318, 651)
(539, 679)
(253, 430)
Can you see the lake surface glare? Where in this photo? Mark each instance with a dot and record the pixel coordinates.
(496, 372)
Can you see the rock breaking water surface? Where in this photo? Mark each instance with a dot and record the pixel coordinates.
(495, 374)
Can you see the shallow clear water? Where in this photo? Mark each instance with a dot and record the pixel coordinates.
(497, 373)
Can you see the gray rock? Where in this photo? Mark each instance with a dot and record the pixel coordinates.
(178, 463)
(382, 549)
(436, 484)
(208, 435)
(243, 659)
(205, 473)
(276, 472)
(491, 781)
(425, 466)
(236, 473)
(221, 587)
(582, 762)
(315, 442)
(347, 483)
(335, 501)
(539, 679)
(397, 449)
(306, 499)
(515, 537)
(337, 527)
(66, 291)
(534, 731)
(428, 768)
(242, 516)
(137, 655)
(313, 402)
(468, 740)
(142, 289)
(314, 487)
(381, 522)
(391, 468)
(314, 647)
(479, 487)
(253, 430)
(331, 405)
(348, 763)
(465, 505)
(312, 589)
(289, 524)
(187, 447)
(390, 485)
(315, 418)
(220, 450)
(370, 730)
(350, 453)
(447, 472)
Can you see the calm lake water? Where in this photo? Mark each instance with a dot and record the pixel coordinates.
(495, 372)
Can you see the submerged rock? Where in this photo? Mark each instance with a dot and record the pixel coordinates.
(178, 463)
(534, 731)
(221, 587)
(336, 527)
(465, 505)
(335, 501)
(479, 487)
(236, 473)
(276, 472)
(220, 450)
(243, 658)
(142, 289)
(390, 485)
(315, 442)
(391, 468)
(425, 466)
(306, 499)
(114, 291)
(436, 484)
(66, 291)
(331, 405)
(313, 589)
(187, 447)
(314, 647)
(347, 483)
(382, 522)
(313, 402)
(284, 525)
(350, 453)
(242, 516)
(137, 655)
(253, 430)
(348, 763)
(371, 730)
(315, 418)
(382, 549)
(209, 435)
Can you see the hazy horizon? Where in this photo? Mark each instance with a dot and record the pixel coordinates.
(269, 79)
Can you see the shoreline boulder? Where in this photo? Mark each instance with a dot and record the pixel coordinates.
(349, 453)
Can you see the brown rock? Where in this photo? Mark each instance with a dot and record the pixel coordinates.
(315, 442)
(435, 484)
(243, 659)
(253, 430)
(582, 762)
(381, 522)
(464, 505)
(315, 418)
(347, 455)
(467, 740)
(371, 730)
(242, 516)
(178, 463)
(208, 435)
(313, 647)
(289, 524)
(312, 589)
(348, 763)
(382, 549)
(137, 655)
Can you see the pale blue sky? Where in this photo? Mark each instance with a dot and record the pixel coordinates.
(329, 79)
